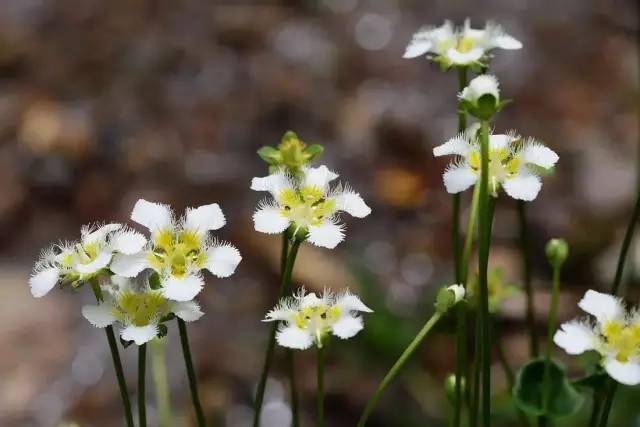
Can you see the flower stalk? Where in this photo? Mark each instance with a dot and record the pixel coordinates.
(526, 277)
(160, 382)
(320, 386)
(142, 405)
(191, 375)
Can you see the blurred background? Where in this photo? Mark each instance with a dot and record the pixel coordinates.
(102, 103)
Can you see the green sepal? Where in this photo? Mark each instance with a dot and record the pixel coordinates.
(312, 152)
(564, 399)
(162, 331)
(270, 155)
(154, 281)
(595, 380)
(445, 300)
(168, 317)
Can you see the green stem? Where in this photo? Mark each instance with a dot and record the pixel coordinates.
(608, 403)
(484, 242)
(468, 241)
(291, 369)
(285, 287)
(551, 327)
(526, 276)
(191, 374)
(320, 387)
(473, 413)
(117, 364)
(626, 243)
(142, 405)
(160, 382)
(595, 408)
(406, 354)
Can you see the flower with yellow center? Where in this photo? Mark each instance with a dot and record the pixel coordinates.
(615, 335)
(514, 164)
(76, 263)
(179, 249)
(464, 46)
(308, 204)
(138, 312)
(307, 319)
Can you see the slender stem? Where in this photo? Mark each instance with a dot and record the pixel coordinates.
(160, 382)
(473, 412)
(595, 408)
(406, 354)
(142, 405)
(460, 266)
(468, 241)
(291, 370)
(608, 403)
(285, 287)
(484, 241)
(191, 374)
(626, 243)
(320, 387)
(117, 364)
(526, 276)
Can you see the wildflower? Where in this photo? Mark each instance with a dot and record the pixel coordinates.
(465, 46)
(138, 312)
(74, 263)
(291, 156)
(307, 318)
(308, 204)
(615, 335)
(514, 164)
(179, 249)
(481, 97)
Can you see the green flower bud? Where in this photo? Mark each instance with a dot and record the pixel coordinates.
(292, 154)
(448, 297)
(557, 251)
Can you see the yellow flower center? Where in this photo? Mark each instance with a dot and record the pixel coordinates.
(140, 309)
(318, 319)
(177, 253)
(622, 339)
(305, 207)
(465, 44)
(503, 164)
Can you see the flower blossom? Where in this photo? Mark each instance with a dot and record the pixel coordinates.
(514, 164)
(307, 319)
(308, 204)
(464, 46)
(615, 335)
(179, 249)
(139, 313)
(74, 263)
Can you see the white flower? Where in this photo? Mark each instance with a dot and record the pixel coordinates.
(615, 335)
(308, 204)
(138, 313)
(513, 164)
(74, 263)
(458, 292)
(179, 249)
(465, 46)
(307, 319)
(485, 84)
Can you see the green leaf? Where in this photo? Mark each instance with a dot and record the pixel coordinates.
(270, 155)
(564, 399)
(154, 281)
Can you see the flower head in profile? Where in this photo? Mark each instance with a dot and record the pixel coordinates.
(291, 155)
(514, 165)
(462, 47)
(179, 249)
(481, 97)
(138, 312)
(307, 318)
(615, 335)
(75, 263)
(308, 204)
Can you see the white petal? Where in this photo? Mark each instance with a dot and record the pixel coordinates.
(295, 338)
(273, 183)
(280, 313)
(524, 186)
(625, 373)
(500, 141)
(311, 300)
(43, 281)
(458, 145)
(222, 260)
(269, 219)
(188, 311)
(129, 265)
(575, 337)
(458, 291)
(464, 58)
(507, 42)
(326, 235)
(204, 218)
(318, 177)
(350, 302)
(139, 334)
(539, 155)
(417, 47)
(154, 216)
(602, 306)
(347, 326)
(99, 234)
(182, 289)
(101, 261)
(128, 242)
(484, 84)
(99, 316)
(458, 178)
(351, 203)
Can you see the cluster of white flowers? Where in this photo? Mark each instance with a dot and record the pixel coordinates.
(142, 280)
